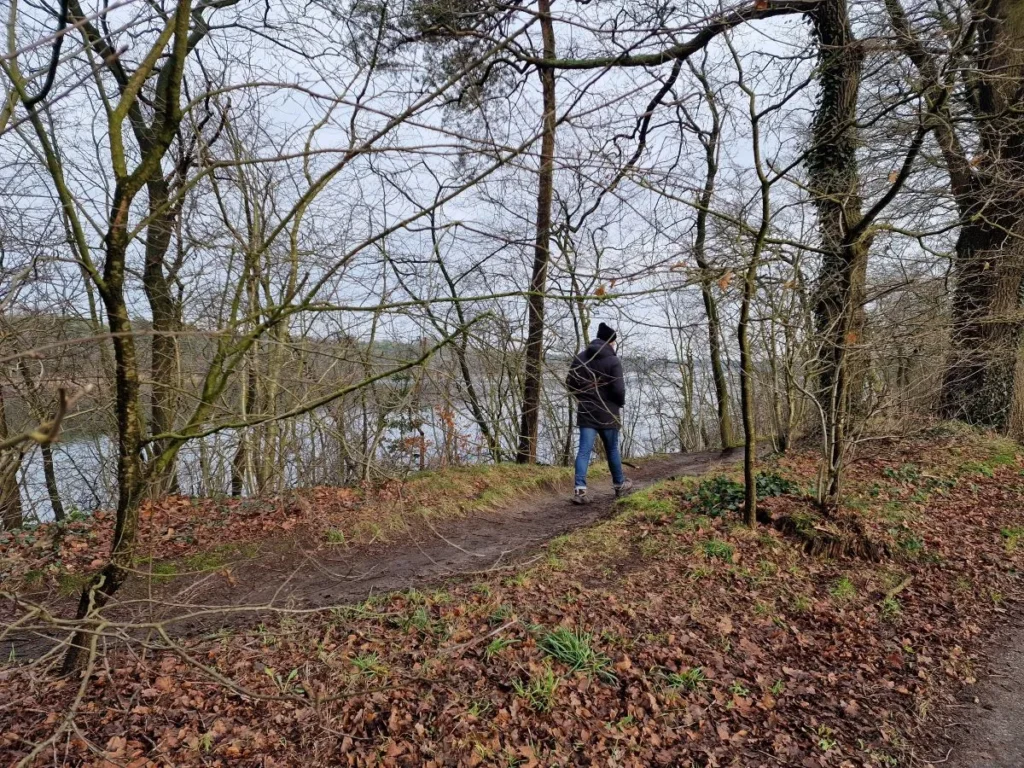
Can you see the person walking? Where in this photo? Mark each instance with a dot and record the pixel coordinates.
(595, 380)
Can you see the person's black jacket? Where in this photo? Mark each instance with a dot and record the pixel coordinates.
(595, 380)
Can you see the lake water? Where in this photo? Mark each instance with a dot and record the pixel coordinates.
(85, 468)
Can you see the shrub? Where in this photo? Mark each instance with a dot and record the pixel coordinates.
(774, 484)
(717, 496)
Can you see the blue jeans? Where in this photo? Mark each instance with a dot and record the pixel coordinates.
(610, 438)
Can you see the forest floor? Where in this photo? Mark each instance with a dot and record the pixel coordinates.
(656, 630)
(236, 561)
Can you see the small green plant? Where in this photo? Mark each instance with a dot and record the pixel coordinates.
(801, 604)
(843, 589)
(497, 645)
(910, 544)
(206, 741)
(479, 708)
(699, 572)
(500, 615)
(418, 619)
(689, 679)
(773, 484)
(538, 689)
(717, 549)
(574, 648)
(1012, 537)
(334, 536)
(777, 687)
(519, 580)
(908, 473)
(717, 496)
(482, 589)
(625, 722)
(737, 688)
(891, 608)
(370, 665)
(284, 684)
(826, 739)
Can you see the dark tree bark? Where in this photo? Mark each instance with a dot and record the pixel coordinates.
(721, 383)
(154, 139)
(982, 376)
(46, 449)
(534, 363)
(166, 315)
(834, 182)
(11, 513)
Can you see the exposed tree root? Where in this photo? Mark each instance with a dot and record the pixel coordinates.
(836, 537)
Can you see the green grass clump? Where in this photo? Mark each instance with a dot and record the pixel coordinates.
(688, 680)
(370, 665)
(497, 645)
(1012, 537)
(716, 549)
(843, 589)
(334, 536)
(538, 689)
(574, 648)
(645, 504)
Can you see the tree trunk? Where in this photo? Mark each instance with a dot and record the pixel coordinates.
(46, 449)
(533, 368)
(11, 513)
(130, 480)
(979, 381)
(832, 167)
(706, 276)
(747, 398)
(166, 322)
(978, 385)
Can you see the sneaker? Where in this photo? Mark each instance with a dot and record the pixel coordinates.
(580, 496)
(624, 488)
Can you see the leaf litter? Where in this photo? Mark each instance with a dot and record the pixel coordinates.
(626, 646)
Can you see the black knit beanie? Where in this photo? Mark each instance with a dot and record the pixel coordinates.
(605, 333)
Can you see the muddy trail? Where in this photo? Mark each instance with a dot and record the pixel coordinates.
(985, 729)
(299, 574)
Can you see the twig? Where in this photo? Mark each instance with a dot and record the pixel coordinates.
(898, 588)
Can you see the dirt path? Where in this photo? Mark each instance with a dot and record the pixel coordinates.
(989, 724)
(298, 575)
